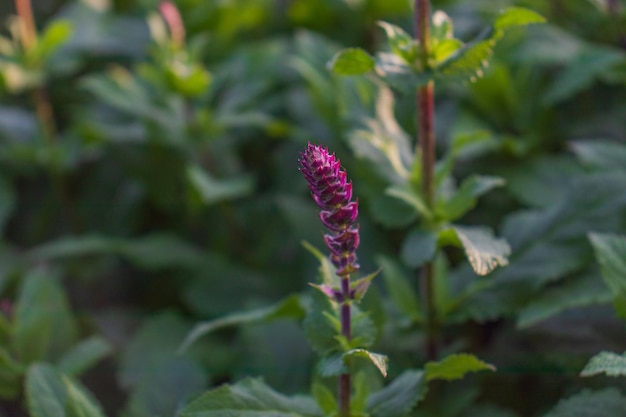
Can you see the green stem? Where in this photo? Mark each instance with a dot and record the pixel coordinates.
(426, 141)
(344, 379)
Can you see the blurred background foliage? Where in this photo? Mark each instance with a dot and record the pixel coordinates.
(148, 180)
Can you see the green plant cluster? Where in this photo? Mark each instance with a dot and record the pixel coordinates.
(157, 239)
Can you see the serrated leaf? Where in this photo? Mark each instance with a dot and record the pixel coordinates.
(84, 355)
(338, 364)
(608, 363)
(212, 190)
(484, 251)
(579, 291)
(43, 326)
(517, 16)
(455, 367)
(291, 307)
(250, 398)
(610, 252)
(403, 295)
(465, 198)
(352, 61)
(604, 403)
(399, 397)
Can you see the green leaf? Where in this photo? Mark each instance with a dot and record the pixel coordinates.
(399, 397)
(338, 364)
(401, 43)
(212, 191)
(361, 285)
(84, 355)
(604, 403)
(483, 250)
(11, 373)
(455, 367)
(411, 197)
(53, 36)
(601, 155)
(352, 61)
(402, 294)
(44, 327)
(517, 16)
(291, 307)
(419, 247)
(326, 269)
(250, 398)
(608, 363)
(52, 394)
(465, 198)
(442, 27)
(324, 398)
(46, 394)
(579, 291)
(610, 252)
(361, 384)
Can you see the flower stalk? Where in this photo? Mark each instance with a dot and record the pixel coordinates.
(425, 119)
(333, 194)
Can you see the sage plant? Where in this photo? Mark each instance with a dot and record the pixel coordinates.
(333, 194)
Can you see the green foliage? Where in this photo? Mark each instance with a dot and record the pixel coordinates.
(399, 397)
(248, 398)
(608, 363)
(338, 364)
(455, 367)
(49, 393)
(610, 251)
(608, 402)
(352, 62)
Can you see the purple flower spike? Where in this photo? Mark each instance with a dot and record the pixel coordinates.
(332, 192)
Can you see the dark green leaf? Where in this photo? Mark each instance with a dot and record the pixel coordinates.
(403, 295)
(399, 397)
(610, 252)
(44, 327)
(11, 373)
(465, 198)
(455, 367)
(352, 61)
(84, 355)
(608, 363)
(7, 201)
(249, 398)
(601, 155)
(579, 291)
(338, 364)
(604, 403)
(212, 191)
(419, 247)
(290, 307)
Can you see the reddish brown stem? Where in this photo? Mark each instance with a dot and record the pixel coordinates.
(425, 116)
(27, 23)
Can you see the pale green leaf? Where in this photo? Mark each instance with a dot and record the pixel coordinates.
(399, 397)
(484, 251)
(84, 355)
(80, 403)
(291, 307)
(608, 363)
(419, 247)
(326, 269)
(324, 397)
(610, 252)
(517, 16)
(212, 190)
(250, 398)
(401, 43)
(403, 295)
(604, 403)
(455, 367)
(53, 36)
(352, 61)
(442, 26)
